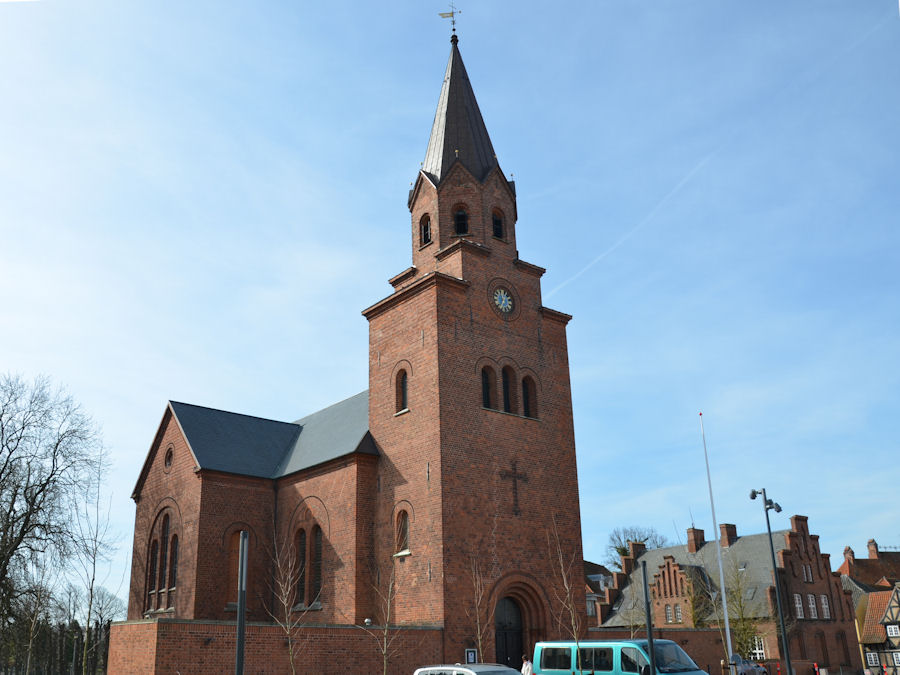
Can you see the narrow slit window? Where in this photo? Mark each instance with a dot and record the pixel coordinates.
(497, 223)
(508, 382)
(402, 384)
(488, 395)
(301, 566)
(529, 397)
(425, 231)
(317, 565)
(173, 562)
(461, 221)
(402, 532)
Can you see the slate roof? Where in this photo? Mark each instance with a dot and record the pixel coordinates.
(750, 552)
(873, 631)
(858, 590)
(458, 131)
(264, 448)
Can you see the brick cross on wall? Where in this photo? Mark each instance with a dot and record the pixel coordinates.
(516, 477)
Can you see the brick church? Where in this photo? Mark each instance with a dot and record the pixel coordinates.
(439, 503)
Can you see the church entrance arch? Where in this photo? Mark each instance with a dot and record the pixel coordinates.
(508, 633)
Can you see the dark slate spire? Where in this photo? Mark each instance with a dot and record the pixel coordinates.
(458, 131)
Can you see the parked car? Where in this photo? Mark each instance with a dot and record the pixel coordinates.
(468, 669)
(744, 667)
(616, 657)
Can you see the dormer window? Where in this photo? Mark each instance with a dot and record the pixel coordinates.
(497, 221)
(460, 221)
(425, 230)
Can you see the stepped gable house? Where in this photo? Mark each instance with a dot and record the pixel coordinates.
(818, 611)
(407, 483)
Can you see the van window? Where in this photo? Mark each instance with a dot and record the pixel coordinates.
(632, 660)
(595, 658)
(670, 658)
(556, 658)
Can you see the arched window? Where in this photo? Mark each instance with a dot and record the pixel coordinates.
(460, 220)
(316, 565)
(488, 388)
(234, 551)
(507, 381)
(173, 562)
(529, 397)
(151, 573)
(679, 617)
(823, 649)
(497, 222)
(842, 645)
(668, 613)
(301, 567)
(401, 385)
(402, 532)
(425, 230)
(164, 552)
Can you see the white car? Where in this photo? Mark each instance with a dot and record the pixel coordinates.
(468, 669)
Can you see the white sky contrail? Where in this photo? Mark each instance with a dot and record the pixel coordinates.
(646, 219)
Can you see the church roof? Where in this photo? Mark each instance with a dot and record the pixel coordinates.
(458, 132)
(264, 448)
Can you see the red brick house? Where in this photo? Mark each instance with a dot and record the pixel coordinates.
(382, 502)
(686, 598)
(873, 583)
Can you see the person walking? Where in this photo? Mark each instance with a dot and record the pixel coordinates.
(527, 668)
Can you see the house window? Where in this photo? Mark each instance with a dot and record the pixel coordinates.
(811, 599)
(401, 386)
(826, 609)
(871, 659)
(893, 630)
(316, 565)
(798, 605)
(758, 649)
(668, 613)
(301, 567)
(497, 221)
(591, 607)
(425, 230)
(403, 532)
(488, 388)
(896, 657)
(679, 618)
(529, 397)
(461, 220)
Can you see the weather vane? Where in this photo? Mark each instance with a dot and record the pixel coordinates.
(451, 15)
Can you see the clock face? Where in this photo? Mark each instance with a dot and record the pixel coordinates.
(503, 300)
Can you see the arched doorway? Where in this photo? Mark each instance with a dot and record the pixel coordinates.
(508, 633)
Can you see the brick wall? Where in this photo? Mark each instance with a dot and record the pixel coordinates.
(169, 647)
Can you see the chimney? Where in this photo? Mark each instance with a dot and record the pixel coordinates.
(728, 534)
(849, 555)
(695, 540)
(636, 549)
(873, 549)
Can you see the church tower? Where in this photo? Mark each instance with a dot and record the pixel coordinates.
(470, 407)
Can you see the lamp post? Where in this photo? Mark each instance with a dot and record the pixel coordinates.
(769, 504)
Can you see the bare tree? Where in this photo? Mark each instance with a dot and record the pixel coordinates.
(381, 631)
(91, 544)
(617, 547)
(570, 578)
(41, 577)
(45, 442)
(480, 613)
(288, 610)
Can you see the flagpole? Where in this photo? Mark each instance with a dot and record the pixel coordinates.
(712, 506)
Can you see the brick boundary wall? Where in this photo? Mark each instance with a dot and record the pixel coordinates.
(181, 647)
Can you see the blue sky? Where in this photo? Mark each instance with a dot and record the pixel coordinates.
(197, 199)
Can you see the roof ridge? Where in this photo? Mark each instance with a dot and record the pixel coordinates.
(231, 412)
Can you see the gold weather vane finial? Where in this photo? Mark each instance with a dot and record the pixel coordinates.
(451, 15)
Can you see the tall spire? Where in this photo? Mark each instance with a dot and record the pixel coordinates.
(458, 132)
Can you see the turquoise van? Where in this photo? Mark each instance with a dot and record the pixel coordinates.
(616, 657)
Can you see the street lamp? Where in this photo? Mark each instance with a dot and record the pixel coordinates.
(769, 504)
